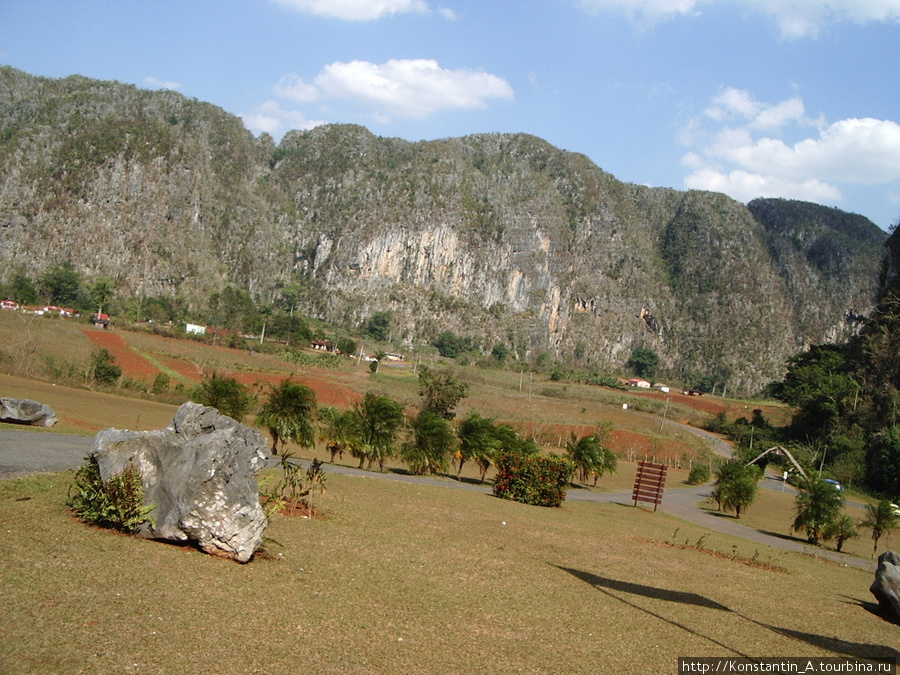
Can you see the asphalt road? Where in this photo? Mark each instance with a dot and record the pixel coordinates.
(32, 451)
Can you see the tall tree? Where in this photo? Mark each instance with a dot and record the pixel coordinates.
(589, 456)
(288, 414)
(441, 391)
(431, 445)
(378, 421)
(336, 430)
(478, 442)
(61, 283)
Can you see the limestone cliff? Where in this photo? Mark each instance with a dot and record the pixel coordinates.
(499, 236)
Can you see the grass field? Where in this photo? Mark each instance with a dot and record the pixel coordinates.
(407, 577)
(418, 579)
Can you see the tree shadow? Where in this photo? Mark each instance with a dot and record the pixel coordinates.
(832, 644)
(646, 591)
(860, 650)
(607, 586)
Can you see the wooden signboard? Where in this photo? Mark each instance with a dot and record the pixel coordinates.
(649, 483)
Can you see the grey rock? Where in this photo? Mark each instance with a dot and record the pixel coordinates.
(25, 411)
(886, 587)
(201, 474)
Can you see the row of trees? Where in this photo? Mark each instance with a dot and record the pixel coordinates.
(378, 428)
(818, 508)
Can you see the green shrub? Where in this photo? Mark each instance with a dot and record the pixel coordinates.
(539, 480)
(117, 504)
(104, 369)
(161, 384)
(699, 474)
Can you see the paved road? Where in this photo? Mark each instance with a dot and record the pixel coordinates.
(31, 451)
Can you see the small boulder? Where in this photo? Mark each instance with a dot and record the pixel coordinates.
(886, 587)
(25, 411)
(200, 472)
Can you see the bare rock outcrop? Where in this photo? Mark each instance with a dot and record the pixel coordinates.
(886, 587)
(25, 411)
(200, 472)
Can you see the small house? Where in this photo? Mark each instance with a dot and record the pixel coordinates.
(640, 384)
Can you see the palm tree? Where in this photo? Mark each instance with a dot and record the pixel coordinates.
(432, 443)
(478, 442)
(881, 518)
(840, 529)
(818, 504)
(736, 486)
(590, 457)
(377, 421)
(288, 414)
(337, 429)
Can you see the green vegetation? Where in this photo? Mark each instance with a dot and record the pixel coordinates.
(818, 507)
(288, 414)
(698, 474)
(441, 392)
(881, 518)
(643, 362)
(736, 486)
(377, 423)
(117, 503)
(539, 480)
(103, 368)
(225, 394)
(431, 446)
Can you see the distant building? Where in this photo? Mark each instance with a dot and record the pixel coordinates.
(100, 320)
(640, 384)
(664, 388)
(194, 329)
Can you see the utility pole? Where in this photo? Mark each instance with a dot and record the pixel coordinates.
(665, 412)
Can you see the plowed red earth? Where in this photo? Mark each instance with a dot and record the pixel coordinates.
(135, 366)
(131, 364)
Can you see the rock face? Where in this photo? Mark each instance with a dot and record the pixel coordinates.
(497, 237)
(201, 474)
(25, 411)
(886, 587)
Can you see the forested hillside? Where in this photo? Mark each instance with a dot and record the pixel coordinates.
(500, 238)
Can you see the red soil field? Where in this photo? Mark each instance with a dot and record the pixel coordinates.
(131, 364)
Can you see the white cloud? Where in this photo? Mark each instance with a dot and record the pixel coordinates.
(272, 119)
(412, 88)
(293, 88)
(735, 148)
(161, 84)
(795, 18)
(355, 10)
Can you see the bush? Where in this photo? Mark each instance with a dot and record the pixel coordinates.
(117, 504)
(537, 480)
(161, 384)
(104, 369)
(699, 474)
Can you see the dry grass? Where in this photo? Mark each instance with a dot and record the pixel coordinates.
(774, 512)
(417, 579)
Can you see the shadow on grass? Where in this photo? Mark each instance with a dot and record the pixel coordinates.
(860, 650)
(607, 586)
(611, 587)
(873, 608)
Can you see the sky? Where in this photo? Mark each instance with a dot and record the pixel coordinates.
(754, 98)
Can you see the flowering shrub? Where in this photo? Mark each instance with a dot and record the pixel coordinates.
(537, 480)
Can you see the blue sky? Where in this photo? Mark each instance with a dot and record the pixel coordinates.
(753, 98)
